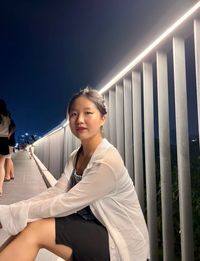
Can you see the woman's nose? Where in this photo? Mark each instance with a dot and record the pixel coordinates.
(80, 118)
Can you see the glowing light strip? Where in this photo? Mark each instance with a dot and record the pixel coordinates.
(142, 55)
(150, 48)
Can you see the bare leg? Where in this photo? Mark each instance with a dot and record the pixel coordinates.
(37, 235)
(9, 169)
(2, 173)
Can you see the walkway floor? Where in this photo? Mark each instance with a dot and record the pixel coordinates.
(27, 183)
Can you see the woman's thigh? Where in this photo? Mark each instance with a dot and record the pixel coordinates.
(43, 232)
(88, 239)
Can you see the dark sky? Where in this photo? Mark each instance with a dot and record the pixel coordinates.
(51, 49)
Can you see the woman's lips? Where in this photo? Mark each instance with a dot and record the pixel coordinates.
(80, 129)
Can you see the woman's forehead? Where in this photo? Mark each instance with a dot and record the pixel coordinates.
(82, 102)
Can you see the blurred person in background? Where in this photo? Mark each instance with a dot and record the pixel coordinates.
(9, 167)
(4, 140)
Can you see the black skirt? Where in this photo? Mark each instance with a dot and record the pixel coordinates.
(88, 239)
(4, 148)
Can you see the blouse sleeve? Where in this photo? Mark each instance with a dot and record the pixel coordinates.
(98, 182)
(10, 213)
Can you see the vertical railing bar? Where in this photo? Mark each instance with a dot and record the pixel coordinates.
(50, 153)
(165, 157)
(69, 141)
(49, 144)
(44, 152)
(112, 115)
(47, 151)
(65, 147)
(106, 126)
(128, 126)
(61, 151)
(150, 159)
(197, 67)
(120, 119)
(137, 136)
(183, 150)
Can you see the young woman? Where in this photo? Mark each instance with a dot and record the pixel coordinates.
(4, 134)
(92, 213)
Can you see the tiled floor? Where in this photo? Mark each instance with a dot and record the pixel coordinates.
(27, 183)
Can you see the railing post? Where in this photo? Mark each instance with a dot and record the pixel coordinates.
(112, 116)
(165, 157)
(120, 119)
(183, 150)
(128, 126)
(137, 136)
(65, 149)
(150, 159)
(106, 126)
(197, 66)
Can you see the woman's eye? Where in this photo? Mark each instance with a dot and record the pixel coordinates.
(73, 114)
(89, 112)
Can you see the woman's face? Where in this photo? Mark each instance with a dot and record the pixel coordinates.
(85, 119)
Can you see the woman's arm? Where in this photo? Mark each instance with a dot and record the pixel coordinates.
(99, 182)
(14, 217)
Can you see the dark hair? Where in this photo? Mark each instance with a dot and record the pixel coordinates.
(3, 108)
(92, 95)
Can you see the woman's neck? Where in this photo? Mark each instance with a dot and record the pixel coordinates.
(88, 147)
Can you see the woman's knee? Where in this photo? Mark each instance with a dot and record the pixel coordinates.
(41, 234)
(33, 233)
(40, 229)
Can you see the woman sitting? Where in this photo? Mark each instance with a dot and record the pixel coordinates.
(92, 213)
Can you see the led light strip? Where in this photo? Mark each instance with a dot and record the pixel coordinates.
(149, 48)
(144, 53)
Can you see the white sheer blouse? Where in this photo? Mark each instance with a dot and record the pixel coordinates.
(109, 191)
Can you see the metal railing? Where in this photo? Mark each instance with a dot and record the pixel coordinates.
(146, 101)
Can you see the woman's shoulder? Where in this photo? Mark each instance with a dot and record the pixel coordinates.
(108, 154)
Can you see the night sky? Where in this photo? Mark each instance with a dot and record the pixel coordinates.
(51, 49)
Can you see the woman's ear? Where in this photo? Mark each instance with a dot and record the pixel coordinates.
(104, 118)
